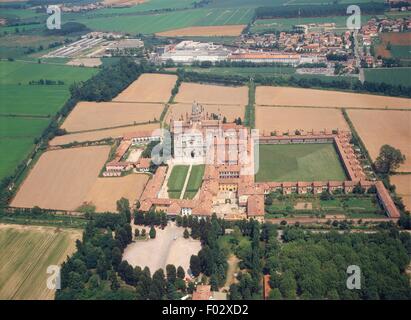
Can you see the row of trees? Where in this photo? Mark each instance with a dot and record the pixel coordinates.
(281, 80)
(315, 11)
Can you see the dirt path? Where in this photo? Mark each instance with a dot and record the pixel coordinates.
(186, 182)
(232, 270)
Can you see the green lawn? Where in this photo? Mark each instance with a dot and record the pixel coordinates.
(394, 76)
(194, 181)
(299, 162)
(176, 181)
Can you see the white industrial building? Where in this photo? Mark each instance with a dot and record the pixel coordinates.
(187, 52)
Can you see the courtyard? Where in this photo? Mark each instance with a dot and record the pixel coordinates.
(299, 162)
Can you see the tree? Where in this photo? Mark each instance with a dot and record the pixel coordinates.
(143, 233)
(115, 285)
(191, 287)
(136, 233)
(389, 159)
(152, 232)
(186, 234)
(195, 265)
(214, 282)
(274, 294)
(171, 273)
(180, 273)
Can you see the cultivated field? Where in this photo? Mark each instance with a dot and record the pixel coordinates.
(231, 112)
(403, 188)
(378, 127)
(26, 252)
(394, 76)
(209, 31)
(106, 191)
(285, 96)
(19, 98)
(176, 181)
(169, 247)
(164, 21)
(85, 62)
(101, 134)
(299, 162)
(100, 115)
(212, 94)
(149, 88)
(289, 119)
(61, 179)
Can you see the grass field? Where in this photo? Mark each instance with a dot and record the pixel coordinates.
(194, 181)
(286, 24)
(394, 76)
(299, 162)
(26, 252)
(19, 98)
(176, 181)
(158, 22)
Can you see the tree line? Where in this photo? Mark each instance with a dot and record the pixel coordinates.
(315, 11)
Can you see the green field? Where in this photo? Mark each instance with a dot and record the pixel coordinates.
(299, 162)
(32, 104)
(394, 76)
(194, 181)
(401, 52)
(176, 181)
(286, 24)
(26, 253)
(152, 23)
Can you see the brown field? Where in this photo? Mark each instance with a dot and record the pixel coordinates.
(396, 38)
(210, 31)
(212, 94)
(106, 191)
(286, 96)
(26, 253)
(101, 134)
(100, 115)
(286, 119)
(176, 111)
(403, 188)
(379, 127)
(149, 88)
(62, 178)
(86, 62)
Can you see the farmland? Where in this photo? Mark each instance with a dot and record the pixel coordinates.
(289, 119)
(402, 184)
(176, 181)
(299, 162)
(61, 179)
(149, 88)
(159, 22)
(211, 94)
(379, 127)
(210, 31)
(393, 76)
(194, 181)
(21, 99)
(106, 191)
(286, 24)
(101, 134)
(99, 115)
(286, 96)
(231, 112)
(26, 253)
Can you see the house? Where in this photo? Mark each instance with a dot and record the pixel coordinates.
(203, 292)
(143, 165)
